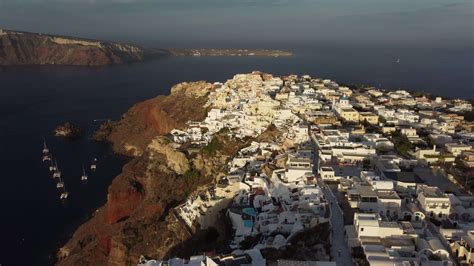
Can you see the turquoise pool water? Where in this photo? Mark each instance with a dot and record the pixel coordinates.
(250, 211)
(248, 223)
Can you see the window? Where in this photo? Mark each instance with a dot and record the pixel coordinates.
(362, 229)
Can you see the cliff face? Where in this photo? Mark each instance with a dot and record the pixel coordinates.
(135, 219)
(22, 48)
(138, 218)
(158, 116)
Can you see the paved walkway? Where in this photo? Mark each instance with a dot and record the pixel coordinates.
(339, 250)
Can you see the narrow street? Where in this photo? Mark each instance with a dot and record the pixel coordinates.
(339, 250)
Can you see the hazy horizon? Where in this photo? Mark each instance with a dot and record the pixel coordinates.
(423, 46)
(249, 23)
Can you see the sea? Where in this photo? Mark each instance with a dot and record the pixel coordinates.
(34, 222)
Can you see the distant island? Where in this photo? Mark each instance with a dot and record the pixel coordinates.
(230, 52)
(25, 48)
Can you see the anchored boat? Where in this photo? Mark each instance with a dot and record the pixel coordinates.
(93, 166)
(52, 167)
(60, 184)
(45, 148)
(64, 195)
(56, 172)
(46, 157)
(84, 176)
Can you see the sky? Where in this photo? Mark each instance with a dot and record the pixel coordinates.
(227, 23)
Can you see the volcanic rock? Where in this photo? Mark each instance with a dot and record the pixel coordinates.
(68, 130)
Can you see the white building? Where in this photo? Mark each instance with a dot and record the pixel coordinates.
(377, 141)
(371, 225)
(297, 168)
(433, 202)
(456, 149)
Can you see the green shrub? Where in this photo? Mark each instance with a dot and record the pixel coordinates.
(191, 174)
(213, 146)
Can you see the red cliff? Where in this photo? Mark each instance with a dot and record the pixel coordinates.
(136, 218)
(24, 48)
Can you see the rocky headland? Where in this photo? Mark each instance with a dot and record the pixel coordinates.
(25, 48)
(138, 218)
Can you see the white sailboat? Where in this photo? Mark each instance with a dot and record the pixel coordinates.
(84, 176)
(56, 172)
(46, 157)
(93, 166)
(45, 148)
(52, 167)
(60, 184)
(64, 195)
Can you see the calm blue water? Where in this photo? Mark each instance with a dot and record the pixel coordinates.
(33, 100)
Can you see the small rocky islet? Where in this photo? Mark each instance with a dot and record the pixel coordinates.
(68, 130)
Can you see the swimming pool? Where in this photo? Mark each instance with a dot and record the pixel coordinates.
(250, 211)
(248, 223)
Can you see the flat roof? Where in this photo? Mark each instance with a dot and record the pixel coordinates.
(389, 224)
(366, 191)
(406, 177)
(387, 194)
(432, 192)
(367, 114)
(327, 169)
(458, 145)
(305, 263)
(398, 241)
(300, 160)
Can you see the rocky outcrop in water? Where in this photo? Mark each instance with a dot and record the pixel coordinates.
(68, 130)
(24, 48)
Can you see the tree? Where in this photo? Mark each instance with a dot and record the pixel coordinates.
(401, 142)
